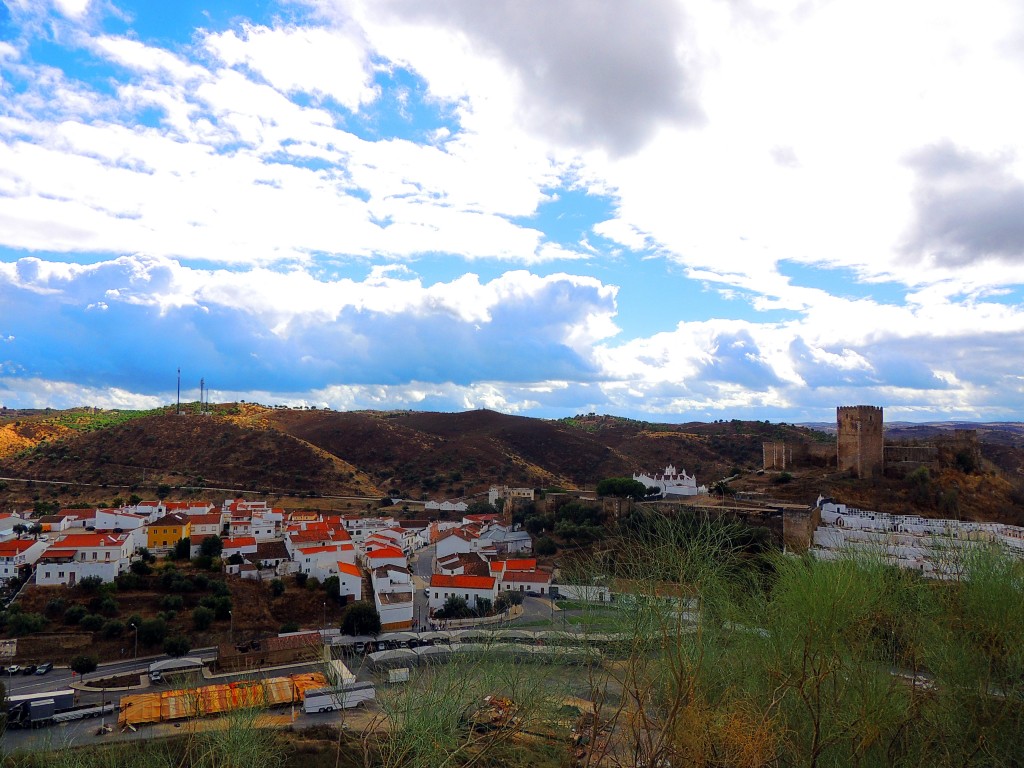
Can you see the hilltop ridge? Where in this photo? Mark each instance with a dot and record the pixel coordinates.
(424, 455)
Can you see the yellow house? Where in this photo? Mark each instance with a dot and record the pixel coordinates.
(168, 530)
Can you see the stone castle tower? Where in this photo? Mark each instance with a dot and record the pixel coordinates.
(859, 443)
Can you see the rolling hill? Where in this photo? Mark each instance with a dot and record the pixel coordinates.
(79, 455)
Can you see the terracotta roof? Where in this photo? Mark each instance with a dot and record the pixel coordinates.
(524, 564)
(385, 552)
(316, 550)
(528, 577)
(212, 518)
(58, 554)
(239, 541)
(349, 569)
(79, 540)
(15, 547)
(466, 582)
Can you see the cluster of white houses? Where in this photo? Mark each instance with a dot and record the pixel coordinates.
(932, 546)
(475, 560)
(262, 542)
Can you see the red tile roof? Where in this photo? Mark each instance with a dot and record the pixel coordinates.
(528, 577)
(79, 540)
(15, 547)
(348, 568)
(466, 582)
(316, 550)
(240, 541)
(210, 519)
(525, 564)
(58, 554)
(384, 552)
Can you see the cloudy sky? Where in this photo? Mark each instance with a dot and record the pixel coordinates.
(669, 210)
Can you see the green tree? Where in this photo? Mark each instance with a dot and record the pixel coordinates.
(83, 665)
(211, 546)
(277, 587)
(623, 487)
(25, 623)
(202, 618)
(177, 646)
(183, 549)
(360, 618)
(152, 631)
(332, 586)
(74, 614)
(545, 546)
(455, 607)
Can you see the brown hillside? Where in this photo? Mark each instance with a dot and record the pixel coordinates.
(288, 452)
(190, 450)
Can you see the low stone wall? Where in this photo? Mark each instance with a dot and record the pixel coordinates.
(512, 613)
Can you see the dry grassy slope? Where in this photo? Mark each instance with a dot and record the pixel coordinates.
(16, 437)
(178, 449)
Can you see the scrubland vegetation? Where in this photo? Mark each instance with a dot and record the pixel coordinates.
(729, 653)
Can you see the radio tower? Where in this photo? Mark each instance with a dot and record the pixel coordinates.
(177, 410)
(202, 386)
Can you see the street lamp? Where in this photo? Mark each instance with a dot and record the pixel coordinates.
(136, 629)
(324, 625)
(231, 627)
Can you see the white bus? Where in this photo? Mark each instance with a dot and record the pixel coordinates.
(339, 697)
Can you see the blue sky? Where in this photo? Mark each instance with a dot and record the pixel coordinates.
(667, 210)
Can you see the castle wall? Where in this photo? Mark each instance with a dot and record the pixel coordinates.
(859, 442)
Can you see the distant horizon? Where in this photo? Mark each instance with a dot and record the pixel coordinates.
(673, 210)
(809, 423)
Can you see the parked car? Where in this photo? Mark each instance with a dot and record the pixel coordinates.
(45, 667)
(156, 677)
(29, 670)
(14, 669)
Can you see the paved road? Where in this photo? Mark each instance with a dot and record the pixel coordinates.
(421, 571)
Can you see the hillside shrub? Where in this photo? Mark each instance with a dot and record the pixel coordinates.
(172, 603)
(108, 607)
(127, 581)
(177, 646)
(545, 546)
(152, 631)
(55, 608)
(90, 584)
(25, 623)
(202, 618)
(74, 614)
(91, 623)
(222, 608)
(277, 587)
(112, 628)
